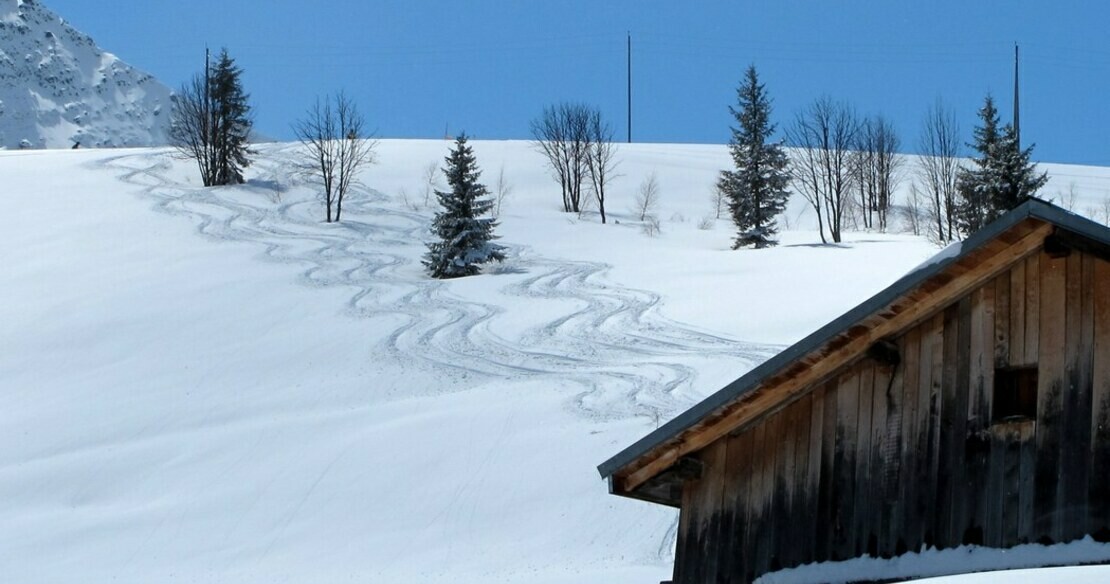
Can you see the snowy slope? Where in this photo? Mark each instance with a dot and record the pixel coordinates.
(57, 87)
(211, 385)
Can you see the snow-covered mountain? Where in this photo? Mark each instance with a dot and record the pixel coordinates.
(57, 87)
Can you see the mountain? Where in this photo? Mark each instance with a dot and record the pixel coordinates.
(57, 87)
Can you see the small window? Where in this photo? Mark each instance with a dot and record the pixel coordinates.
(1015, 394)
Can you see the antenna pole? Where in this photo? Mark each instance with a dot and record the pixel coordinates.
(1017, 107)
(629, 54)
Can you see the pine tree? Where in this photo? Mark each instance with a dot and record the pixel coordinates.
(1002, 176)
(464, 236)
(1018, 176)
(231, 122)
(756, 191)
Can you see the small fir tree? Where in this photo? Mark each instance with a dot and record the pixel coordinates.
(1001, 177)
(757, 190)
(231, 122)
(464, 237)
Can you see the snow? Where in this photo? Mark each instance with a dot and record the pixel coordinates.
(213, 385)
(962, 560)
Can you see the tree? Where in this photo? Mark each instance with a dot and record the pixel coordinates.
(879, 170)
(601, 154)
(337, 147)
(464, 236)
(825, 135)
(1001, 177)
(938, 166)
(647, 199)
(757, 189)
(561, 134)
(211, 122)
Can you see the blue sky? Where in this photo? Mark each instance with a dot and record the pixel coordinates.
(418, 68)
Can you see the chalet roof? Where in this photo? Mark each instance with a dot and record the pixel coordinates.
(1026, 227)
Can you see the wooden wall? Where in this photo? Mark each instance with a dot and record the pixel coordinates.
(880, 460)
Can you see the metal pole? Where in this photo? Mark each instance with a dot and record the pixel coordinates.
(629, 51)
(1017, 107)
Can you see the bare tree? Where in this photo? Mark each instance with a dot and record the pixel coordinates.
(823, 166)
(1070, 197)
(337, 147)
(913, 211)
(938, 165)
(647, 199)
(430, 173)
(561, 135)
(191, 130)
(879, 170)
(502, 190)
(601, 154)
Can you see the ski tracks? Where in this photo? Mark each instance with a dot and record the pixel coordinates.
(627, 358)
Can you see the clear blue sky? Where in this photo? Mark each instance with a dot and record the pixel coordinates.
(488, 67)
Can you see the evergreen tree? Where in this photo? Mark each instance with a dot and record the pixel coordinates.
(464, 236)
(231, 122)
(1001, 177)
(756, 190)
(1019, 179)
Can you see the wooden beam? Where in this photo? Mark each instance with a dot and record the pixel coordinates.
(780, 390)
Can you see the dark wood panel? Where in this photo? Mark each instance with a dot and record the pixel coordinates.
(1049, 397)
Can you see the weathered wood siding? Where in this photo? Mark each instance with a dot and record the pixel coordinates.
(880, 460)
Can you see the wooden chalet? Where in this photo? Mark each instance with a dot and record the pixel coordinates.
(968, 403)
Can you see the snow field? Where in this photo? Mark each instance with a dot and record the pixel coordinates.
(211, 385)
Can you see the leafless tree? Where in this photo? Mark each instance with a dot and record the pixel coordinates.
(913, 211)
(824, 135)
(938, 165)
(1070, 197)
(601, 154)
(561, 134)
(719, 199)
(879, 170)
(502, 190)
(647, 199)
(430, 173)
(192, 131)
(337, 146)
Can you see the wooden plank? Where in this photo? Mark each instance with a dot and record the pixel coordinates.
(961, 508)
(946, 441)
(800, 543)
(827, 496)
(711, 518)
(847, 407)
(933, 343)
(822, 364)
(882, 453)
(890, 459)
(1002, 321)
(1050, 387)
(912, 531)
(1032, 307)
(976, 441)
(813, 475)
(784, 486)
(1011, 482)
(1017, 316)
(1026, 486)
(738, 478)
(1098, 488)
(763, 469)
(1076, 433)
(686, 552)
(863, 506)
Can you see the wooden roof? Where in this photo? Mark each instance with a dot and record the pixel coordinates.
(651, 468)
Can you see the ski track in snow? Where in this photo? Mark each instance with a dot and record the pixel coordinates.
(626, 356)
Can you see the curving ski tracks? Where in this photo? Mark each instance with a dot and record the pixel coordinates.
(627, 358)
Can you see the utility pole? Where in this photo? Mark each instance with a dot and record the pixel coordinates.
(1017, 107)
(629, 53)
